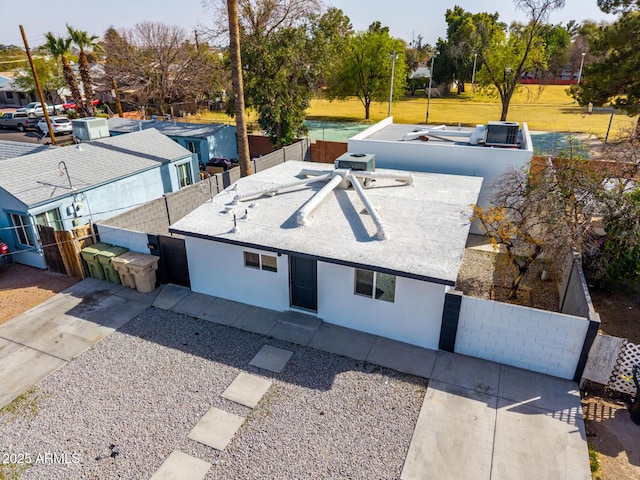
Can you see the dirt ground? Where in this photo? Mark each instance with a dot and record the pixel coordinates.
(23, 287)
(619, 313)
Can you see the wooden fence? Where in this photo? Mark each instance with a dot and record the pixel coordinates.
(62, 248)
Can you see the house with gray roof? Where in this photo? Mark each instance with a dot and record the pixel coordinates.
(64, 187)
(206, 140)
(9, 149)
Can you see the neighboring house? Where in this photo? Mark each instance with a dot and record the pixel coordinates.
(205, 140)
(386, 273)
(11, 94)
(448, 150)
(10, 149)
(68, 186)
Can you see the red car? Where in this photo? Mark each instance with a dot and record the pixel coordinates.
(72, 105)
(4, 253)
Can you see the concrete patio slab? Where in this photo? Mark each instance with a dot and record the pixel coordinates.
(169, 295)
(26, 327)
(136, 296)
(537, 389)
(222, 311)
(180, 466)
(402, 357)
(247, 390)
(216, 429)
(453, 438)
(112, 312)
(271, 358)
(7, 347)
(468, 372)
(193, 304)
(256, 320)
(15, 379)
(295, 327)
(95, 285)
(342, 341)
(531, 443)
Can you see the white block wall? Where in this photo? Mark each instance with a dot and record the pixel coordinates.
(218, 269)
(537, 340)
(134, 241)
(415, 317)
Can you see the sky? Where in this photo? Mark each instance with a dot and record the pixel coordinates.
(406, 18)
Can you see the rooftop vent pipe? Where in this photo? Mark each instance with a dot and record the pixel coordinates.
(380, 231)
(320, 195)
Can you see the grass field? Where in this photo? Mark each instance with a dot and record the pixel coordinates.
(547, 109)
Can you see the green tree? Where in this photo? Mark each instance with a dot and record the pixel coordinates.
(50, 77)
(364, 69)
(612, 77)
(505, 55)
(618, 6)
(557, 42)
(60, 48)
(85, 43)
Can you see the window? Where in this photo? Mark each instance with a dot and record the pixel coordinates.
(21, 96)
(269, 263)
(380, 286)
(194, 147)
(265, 262)
(251, 260)
(184, 174)
(50, 218)
(23, 230)
(9, 94)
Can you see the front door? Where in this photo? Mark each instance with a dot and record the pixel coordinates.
(304, 283)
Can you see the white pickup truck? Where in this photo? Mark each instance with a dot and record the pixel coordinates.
(36, 108)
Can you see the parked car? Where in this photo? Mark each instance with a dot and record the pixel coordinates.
(72, 105)
(5, 256)
(19, 120)
(59, 124)
(36, 108)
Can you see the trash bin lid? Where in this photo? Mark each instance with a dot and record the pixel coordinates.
(96, 248)
(124, 259)
(142, 260)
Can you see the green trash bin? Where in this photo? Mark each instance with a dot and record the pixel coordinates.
(90, 255)
(105, 258)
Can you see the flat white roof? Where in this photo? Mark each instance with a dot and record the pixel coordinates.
(427, 223)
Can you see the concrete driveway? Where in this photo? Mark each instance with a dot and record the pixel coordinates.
(479, 419)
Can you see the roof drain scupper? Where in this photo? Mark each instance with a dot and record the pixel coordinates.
(380, 231)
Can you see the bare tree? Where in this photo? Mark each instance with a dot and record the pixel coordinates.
(158, 62)
(238, 90)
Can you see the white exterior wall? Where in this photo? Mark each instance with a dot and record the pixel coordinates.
(528, 338)
(415, 317)
(218, 269)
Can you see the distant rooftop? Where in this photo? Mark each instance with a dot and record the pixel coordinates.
(10, 149)
(169, 128)
(427, 223)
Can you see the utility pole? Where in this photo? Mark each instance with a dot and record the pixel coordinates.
(38, 88)
(117, 96)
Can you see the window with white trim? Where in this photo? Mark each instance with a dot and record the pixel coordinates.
(260, 261)
(50, 219)
(23, 230)
(380, 286)
(184, 174)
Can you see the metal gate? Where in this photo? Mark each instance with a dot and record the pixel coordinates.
(172, 266)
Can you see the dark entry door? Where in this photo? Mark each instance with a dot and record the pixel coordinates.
(304, 283)
(172, 266)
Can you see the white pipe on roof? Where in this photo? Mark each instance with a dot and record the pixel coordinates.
(436, 131)
(320, 195)
(274, 190)
(381, 234)
(407, 178)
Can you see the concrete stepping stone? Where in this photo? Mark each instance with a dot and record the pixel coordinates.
(180, 466)
(216, 429)
(271, 358)
(247, 390)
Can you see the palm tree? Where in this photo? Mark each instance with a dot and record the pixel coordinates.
(238, 90)
(85, 42)
(59, 48)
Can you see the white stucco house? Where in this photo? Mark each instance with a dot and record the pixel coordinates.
(450, 150)
(378, 256)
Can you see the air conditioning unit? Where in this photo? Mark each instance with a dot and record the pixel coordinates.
(357, 161)
(502, 134)
(87, 129)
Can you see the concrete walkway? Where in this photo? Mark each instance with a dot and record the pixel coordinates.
(479, 419)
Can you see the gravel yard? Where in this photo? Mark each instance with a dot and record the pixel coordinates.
(125, 405)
